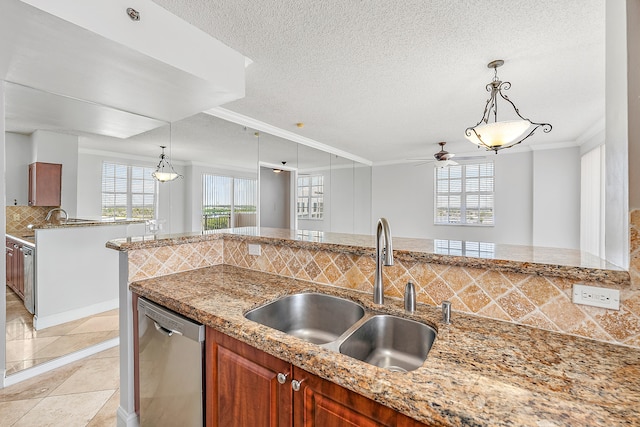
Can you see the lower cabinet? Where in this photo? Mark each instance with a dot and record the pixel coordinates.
(14, 266)
(248, 387)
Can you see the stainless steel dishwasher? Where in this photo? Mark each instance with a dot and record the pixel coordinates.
(170, 363)
(28, 264)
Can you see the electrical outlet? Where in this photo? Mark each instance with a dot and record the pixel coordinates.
(597, 297)
(255, 250)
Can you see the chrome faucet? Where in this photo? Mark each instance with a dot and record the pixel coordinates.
(384, 254)
(48, 217)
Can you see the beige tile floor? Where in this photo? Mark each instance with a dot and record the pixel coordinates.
(83, 393)
(27, 347)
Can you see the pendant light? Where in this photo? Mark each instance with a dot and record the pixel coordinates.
(164, 171)
(498, 135)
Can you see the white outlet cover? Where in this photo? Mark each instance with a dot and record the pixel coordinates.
(255, 249)
(597, 297)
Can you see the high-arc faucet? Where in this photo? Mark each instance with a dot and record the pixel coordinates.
(384, 255)
(48, 217)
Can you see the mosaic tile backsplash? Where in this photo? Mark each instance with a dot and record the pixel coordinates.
(539, 301)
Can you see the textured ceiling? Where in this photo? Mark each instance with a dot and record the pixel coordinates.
(387, 79)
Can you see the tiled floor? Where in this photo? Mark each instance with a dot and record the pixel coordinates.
(84, 393)
(27, 347)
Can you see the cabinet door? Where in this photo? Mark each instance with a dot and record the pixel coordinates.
(242, 389)
(45, 184)
(321, 403)
(9, 256)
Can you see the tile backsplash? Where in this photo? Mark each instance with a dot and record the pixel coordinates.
(18, 217)
(535, 300)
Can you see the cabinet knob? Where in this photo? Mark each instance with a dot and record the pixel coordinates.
(295, 385)
(282, 378)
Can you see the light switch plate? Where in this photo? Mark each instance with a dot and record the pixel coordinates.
(255, 249)
(597, 297)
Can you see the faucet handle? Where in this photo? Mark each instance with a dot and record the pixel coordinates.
(410, 298)
(446, 312)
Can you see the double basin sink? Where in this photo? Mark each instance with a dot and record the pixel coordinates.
(341, 325)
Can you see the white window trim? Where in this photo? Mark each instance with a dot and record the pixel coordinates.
(462, 194)
(309, 197)
(129, 193)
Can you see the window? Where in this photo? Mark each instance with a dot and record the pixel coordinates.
(228, 202)
(465, 248)
(127, 192)
(310, 203)
(464, 194)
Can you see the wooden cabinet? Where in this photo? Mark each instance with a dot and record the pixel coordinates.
(45, 184)
(15, 266)
(242, 389)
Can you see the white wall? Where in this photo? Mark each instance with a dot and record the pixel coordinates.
(18, 149)
(362, 200)
(403, 193)
(342, 200)
(556, 198)
(52, 147)
(633, 75)
(617, 119)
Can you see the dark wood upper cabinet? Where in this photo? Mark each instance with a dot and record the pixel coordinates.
(45, 184)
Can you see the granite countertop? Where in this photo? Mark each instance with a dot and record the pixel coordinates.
(480, 372)
(568, 263)
(26, 239)
(80, 222)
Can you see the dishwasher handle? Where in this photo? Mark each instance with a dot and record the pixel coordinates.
(165, 331)
(168, 322)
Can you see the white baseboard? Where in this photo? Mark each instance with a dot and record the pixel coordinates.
(61, 361)
(41, 322)
(126, 419)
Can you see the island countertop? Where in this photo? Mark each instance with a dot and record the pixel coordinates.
(480, 372)
(567, 263)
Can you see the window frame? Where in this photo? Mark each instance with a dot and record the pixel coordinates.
(309, 215)
(232, 198)
(129, 194)
(463, 194)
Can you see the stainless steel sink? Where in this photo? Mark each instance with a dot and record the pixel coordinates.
(390, 342)
(313, 317)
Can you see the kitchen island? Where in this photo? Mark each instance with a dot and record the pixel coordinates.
(76, 276)
(479, 372)
(514, 370)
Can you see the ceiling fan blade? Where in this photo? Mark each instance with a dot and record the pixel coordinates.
(445, 163)
(424, 163)
(471, 157)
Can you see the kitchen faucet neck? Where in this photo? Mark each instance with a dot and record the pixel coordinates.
(384, 256)
(48, 217)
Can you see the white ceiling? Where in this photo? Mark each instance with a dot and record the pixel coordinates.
(387, 79)
(384, 80)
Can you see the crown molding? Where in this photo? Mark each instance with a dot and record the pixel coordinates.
(258, 125)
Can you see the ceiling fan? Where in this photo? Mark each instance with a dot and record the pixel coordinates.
(443, 158)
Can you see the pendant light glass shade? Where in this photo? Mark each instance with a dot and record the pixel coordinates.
(164, 171)
(497, 135)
